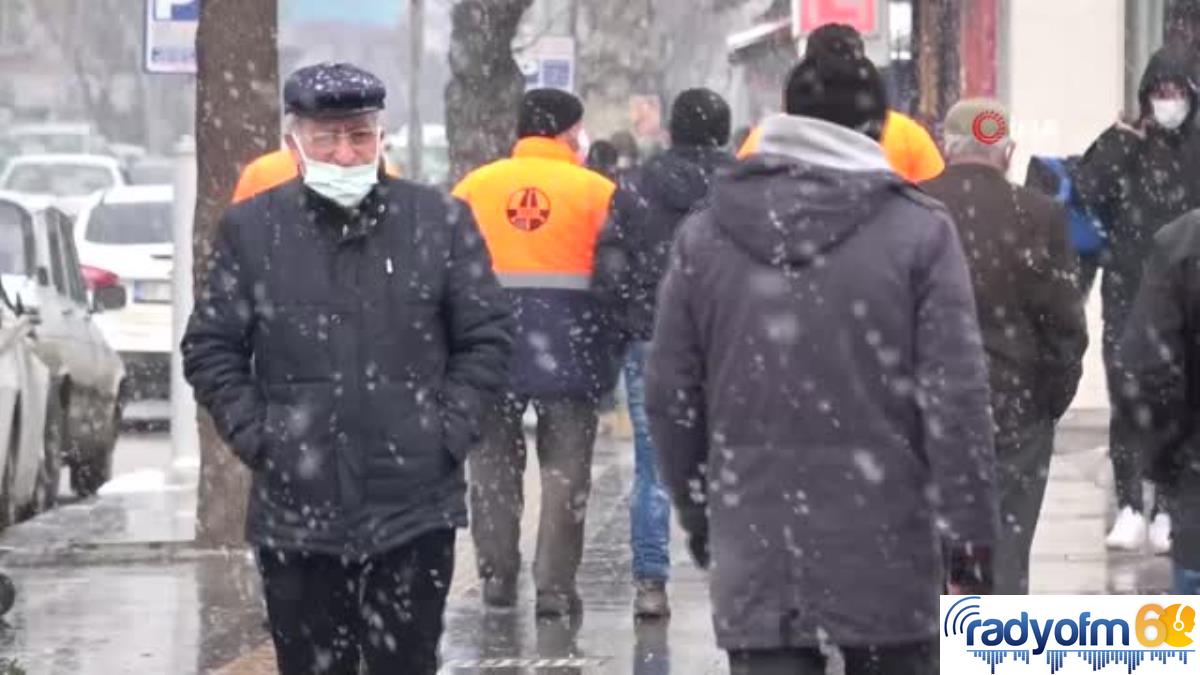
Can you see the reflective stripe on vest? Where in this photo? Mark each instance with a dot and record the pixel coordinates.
(565, 281)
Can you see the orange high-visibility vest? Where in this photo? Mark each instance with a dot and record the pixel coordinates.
(541, 213)
(908, 147)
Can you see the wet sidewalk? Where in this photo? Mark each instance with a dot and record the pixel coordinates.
(114, 586)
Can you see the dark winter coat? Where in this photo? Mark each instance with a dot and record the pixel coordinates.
(1162, 356)
(345, 358)
(817, 367)
(1023, 273)
(632, 253)
(1136, 182)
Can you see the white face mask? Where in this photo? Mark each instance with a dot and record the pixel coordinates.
(1170, 113)
(344, 185)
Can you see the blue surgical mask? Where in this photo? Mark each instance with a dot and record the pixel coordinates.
(347, 186)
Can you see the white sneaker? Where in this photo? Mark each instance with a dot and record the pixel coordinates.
(1160, 534)
(1128, 532)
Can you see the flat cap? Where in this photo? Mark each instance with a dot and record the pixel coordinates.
(984, 119)
(333, 90)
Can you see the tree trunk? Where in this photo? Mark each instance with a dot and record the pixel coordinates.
(237, 119)
(937, 28)
(619, 58)
(486, 85)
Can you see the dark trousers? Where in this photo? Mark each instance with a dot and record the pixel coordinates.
(1089, 269)
(911, 659)
(328, 614)
(566, 436)
(1123, 433)
(1022, 467)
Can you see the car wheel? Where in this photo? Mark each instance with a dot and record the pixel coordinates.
(93, 466)
(8, 510)
(56, 446)
(8, 594)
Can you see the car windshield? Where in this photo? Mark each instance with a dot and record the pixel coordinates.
(13, 259)
(152, 173)
(60, 180)
(36, 144)
(133, 223)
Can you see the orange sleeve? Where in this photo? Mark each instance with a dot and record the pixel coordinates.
(750, 145)
(911, 150)
(463, 189)
(246, 183)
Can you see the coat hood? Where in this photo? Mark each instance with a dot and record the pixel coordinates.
(810, 188)
(1168, 65)
(682, 176)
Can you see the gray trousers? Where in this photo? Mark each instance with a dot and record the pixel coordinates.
(566, 436)
(1022, 467)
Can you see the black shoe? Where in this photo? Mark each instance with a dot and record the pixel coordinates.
(651, 600)
(550, 605)
(499, 592)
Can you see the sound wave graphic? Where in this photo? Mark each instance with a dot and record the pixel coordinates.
(1098, 659)
(995, 657)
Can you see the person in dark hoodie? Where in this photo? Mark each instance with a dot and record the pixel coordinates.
(1161, 354)
(817, 390)
(631, 257)
(1030, 312)
(1136, 179)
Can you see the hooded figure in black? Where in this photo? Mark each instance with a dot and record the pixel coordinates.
(1136, 179)
(631, 257)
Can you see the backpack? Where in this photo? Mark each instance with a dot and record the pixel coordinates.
(1052, 175)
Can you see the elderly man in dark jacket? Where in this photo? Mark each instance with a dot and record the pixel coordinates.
(817, 389)
(345, 342)
(1137, 179)
(1162, 389)
(631, 257)
(1030, 312)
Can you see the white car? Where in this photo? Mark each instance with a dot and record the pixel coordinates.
(68, 178)
(56, 137)
(128, 231)
(32, 427)
(44, 283)
(435, 155)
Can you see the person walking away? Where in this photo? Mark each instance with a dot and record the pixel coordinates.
(1162, 390)
(345, 340)
(541, 212)
(908, 146)
(1031, 315)
(1137, 179)
(817, 390)
(631, 258)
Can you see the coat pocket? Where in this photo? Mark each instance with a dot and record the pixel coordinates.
(300, 458)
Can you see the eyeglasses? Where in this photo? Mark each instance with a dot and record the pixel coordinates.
(328, 141)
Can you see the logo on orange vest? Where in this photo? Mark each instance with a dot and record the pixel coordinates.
(528, 209)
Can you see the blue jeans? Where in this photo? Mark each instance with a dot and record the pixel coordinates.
(650, 508)
(1187, 582)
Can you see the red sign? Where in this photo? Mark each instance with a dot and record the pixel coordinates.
(809, 15)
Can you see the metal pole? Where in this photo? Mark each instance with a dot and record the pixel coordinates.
(185, 437)
(416, 43)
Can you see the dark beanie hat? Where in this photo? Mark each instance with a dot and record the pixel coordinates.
(844, 90)
(548, 113)
(835, 39)
(700, 117)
